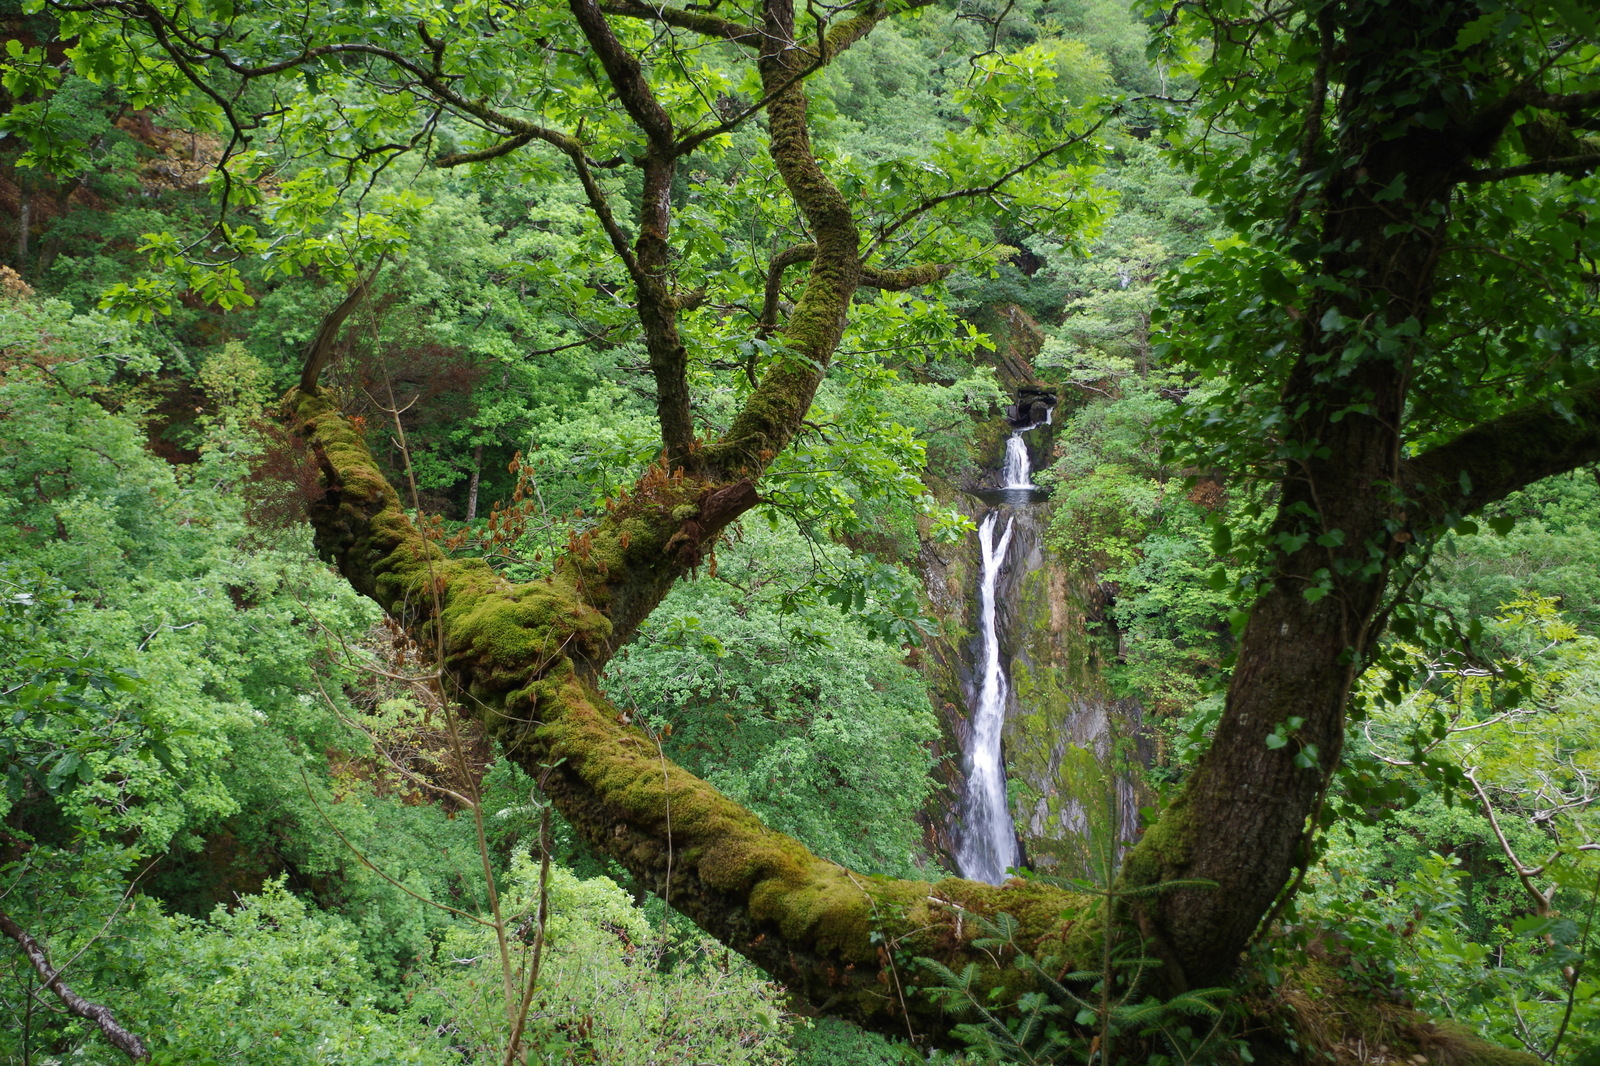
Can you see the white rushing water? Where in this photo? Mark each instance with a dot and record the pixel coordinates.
(989, 845)
(1018, 470)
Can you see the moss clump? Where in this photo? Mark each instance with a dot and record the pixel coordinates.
(1314, 1014)
(1163, 851)
(1453, 1044)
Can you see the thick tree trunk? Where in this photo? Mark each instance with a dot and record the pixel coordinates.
(1344, 515)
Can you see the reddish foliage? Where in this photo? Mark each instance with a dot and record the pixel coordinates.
(283, 480)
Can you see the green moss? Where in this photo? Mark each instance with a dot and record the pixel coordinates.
(1455, 1044)
(1163, 850)
(517, 650)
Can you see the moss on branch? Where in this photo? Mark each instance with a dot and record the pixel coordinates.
(524, 660)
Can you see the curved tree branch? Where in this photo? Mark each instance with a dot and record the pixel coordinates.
(1490, 461)
(700, 22)
(775, 409)
(1575, 166)
(651, 263)
(124, 1041)
(321, 346)
(524, 660)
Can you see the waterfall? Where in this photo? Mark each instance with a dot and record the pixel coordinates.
(1083, 797)
(1018, 470)
(989, 845)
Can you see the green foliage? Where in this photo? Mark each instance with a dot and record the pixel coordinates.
(54, 703)
(1486, 902)
(1087, 1015)
(217, 759)
(1110, 294)
(828, 1042)
(788, 704)
(1551, 549)
(612, 988)
(1120, 508)
(271, 981)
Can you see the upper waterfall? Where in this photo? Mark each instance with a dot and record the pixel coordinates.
(1018, 470)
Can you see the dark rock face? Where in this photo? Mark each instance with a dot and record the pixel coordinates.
(1033, 406)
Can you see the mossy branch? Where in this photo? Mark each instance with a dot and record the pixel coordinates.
(524, 660)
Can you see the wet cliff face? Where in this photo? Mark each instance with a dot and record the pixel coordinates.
(1071, 749)
(950, 581)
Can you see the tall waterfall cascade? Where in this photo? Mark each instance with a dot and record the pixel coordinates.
(987, 847)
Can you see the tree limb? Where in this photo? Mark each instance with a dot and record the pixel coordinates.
(1564, 101)
(973, 191)
(772, 414)
(321, 346)
(797, 253)
(700, 22)
(120, 1038)
(1490, 461)
(1571, 165)
(494, 151)
(524, 660)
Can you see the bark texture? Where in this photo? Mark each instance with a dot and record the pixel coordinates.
(1348, 496)
(120, 1038)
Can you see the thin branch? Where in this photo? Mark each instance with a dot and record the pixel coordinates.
(120, 1038)
(369, 864)
(604, 334)
(1572, 165)
(495, 151)
(799, 253)
(910, 214)
(700, 22)
(1525, 874)
(626, 75)
(1564, 101)
(321, 346)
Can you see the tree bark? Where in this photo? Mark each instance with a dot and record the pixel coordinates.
(124, 1041)
(1349, 504)
(472, 486)
(523, 659)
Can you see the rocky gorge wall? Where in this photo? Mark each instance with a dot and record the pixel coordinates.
(1072, 750)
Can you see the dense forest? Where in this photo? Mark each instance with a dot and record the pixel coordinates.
(975, 531)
